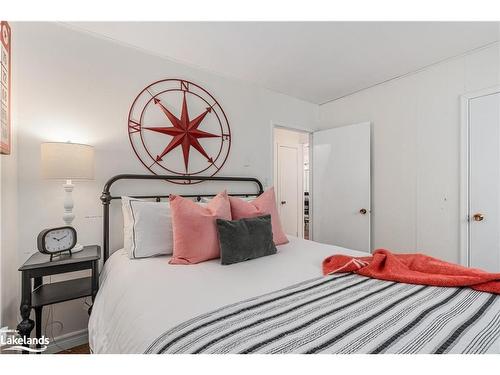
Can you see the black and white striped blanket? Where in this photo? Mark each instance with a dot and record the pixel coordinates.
(345, 313)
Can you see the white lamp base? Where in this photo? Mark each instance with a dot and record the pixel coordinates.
(68, 215)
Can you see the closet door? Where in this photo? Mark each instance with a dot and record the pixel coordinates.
(289, 192)
(341, 186)
(484, 182)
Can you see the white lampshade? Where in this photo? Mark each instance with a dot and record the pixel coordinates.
(67, 161)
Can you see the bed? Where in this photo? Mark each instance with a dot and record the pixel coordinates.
(281, 304)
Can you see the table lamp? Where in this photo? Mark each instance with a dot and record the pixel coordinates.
(68, 161)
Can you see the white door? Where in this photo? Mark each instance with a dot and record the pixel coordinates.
(484, 182)
(341, 186)
(289, 187)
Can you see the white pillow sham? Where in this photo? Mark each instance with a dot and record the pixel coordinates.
(205, 200)
(147, 228)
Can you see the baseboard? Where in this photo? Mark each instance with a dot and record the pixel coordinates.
(68, 341)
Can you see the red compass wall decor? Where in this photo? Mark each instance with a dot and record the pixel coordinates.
(171, 117)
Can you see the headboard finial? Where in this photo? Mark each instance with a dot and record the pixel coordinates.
(106, 197)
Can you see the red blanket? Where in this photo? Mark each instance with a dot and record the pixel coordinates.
(413, 269)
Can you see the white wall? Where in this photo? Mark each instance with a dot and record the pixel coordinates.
(415, 153)
(74, 86)
(283, 135)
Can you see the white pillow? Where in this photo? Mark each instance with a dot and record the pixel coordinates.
(147, 228)
(205, 200)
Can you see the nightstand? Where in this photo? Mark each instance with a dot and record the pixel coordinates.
(38, 295)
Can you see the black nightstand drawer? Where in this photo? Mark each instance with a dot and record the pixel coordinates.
(62, 291)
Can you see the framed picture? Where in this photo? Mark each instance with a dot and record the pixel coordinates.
(5, 54)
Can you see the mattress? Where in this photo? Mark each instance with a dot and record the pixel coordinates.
(140, 299)
(282, 304)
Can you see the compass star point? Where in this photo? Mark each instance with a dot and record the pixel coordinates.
(184, 132)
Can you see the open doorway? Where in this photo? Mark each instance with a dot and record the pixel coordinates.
(292, 180)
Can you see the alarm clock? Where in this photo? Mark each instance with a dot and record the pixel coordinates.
(54, 241)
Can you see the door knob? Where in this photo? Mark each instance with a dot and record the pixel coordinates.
(283, 202)
(363, 211)
(478, 217)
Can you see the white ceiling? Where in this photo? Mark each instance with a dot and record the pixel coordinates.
(315, 61)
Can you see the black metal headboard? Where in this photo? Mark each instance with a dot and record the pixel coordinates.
(106, 196)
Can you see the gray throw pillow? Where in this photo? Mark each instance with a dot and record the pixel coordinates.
(245, 239)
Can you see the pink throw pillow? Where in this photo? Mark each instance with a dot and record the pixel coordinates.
(195, 230)
(265, 204)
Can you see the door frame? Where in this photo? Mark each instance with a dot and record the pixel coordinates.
(304, 130)
(464, 221)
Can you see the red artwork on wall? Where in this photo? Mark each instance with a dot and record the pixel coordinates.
(5, 78)
(177, 127)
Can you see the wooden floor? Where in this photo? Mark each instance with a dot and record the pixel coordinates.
(82, 349)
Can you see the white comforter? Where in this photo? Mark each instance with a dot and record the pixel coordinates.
(140, 299)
